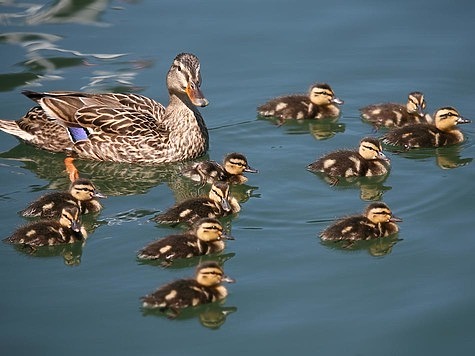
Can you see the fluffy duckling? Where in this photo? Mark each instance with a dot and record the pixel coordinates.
(205, 237)
(51, 232)
(231, 171)
(82, 193)
(444, 132)
(320, 103)
(217, 204)
(376, 221)
(397, 115)
(368, 161)
(204, 288)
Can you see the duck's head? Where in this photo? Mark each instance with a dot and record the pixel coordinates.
(370, 148)
(236, 163)
(447, 118)
(82, 189)
(219, 193)
(416, 103)
(322, 94)
(379, 213)
(211, 274)
(184, 78)
(210, 229)
(70, 218)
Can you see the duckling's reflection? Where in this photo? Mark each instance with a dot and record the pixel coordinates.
(71, 253)
(448, 157)
(211, 316)
(376, 247)
(371, 188)
(180, 263)
(321, 129)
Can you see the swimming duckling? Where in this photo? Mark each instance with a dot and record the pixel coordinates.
(231, 171)
(204, 288)
(397, 115)
(320, 103)
(82, 193)
(50, 232)
(205, 237)
(368, 161)
(444, 132)
(217, 204)
(376, 221)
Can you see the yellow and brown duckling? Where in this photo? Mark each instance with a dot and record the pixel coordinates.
(443, 132)
(66, 230)
(368, 161)
(217, 204)
(204, 238)
(82, 193)
(231, 171)
(319, 103)
(205, 287)
(376, 221)
(397, 115)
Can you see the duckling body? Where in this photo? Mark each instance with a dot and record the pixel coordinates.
(204, 288)
(231, 171)
(205, 237)
(121, 127)
(376, 221)
(82, 193)
(51, 232)
(443, 133)
(397, 115)
(319, 103)
(218, 204)
(368, 161)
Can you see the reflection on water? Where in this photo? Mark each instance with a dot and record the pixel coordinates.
(376, 248)
(211, 316)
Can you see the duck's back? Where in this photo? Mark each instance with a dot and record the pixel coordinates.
(421, 135)
(351, 228)
(342, 163)
(170, 247)
(286, 107)
(189, 211)
(49, 205)
(44, 233)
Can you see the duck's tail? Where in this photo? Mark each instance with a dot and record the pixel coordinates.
(12, 128)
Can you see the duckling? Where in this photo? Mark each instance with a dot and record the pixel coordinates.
(376, 221)
(50, 232)
(368, 161)
(205, 237)
(442, 133)
(82, 193)
(320, 103)
(204, 288)
(231, 171)
(397, 115)
(217, 204)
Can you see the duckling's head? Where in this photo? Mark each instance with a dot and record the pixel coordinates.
(379, 213)
(322, 94)
(219, 193)
(236, 164)
(416, 103)
(184, 78)
(82, 189)
(370, 148)
(210, 229)
(70, 218)
(447, 118)
(211, 274)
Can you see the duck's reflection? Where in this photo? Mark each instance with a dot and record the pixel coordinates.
(71, 253)
(211, 316)
(376, 248)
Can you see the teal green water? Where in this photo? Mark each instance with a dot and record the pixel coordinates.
(411, 296)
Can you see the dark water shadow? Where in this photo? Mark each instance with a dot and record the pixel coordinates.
(377, 248)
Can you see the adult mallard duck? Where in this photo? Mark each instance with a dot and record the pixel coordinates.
(376, 221)
(443, 132)
(121, 127)
(204, 288)
(397, 115)
(319, 103)
(231, 171)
